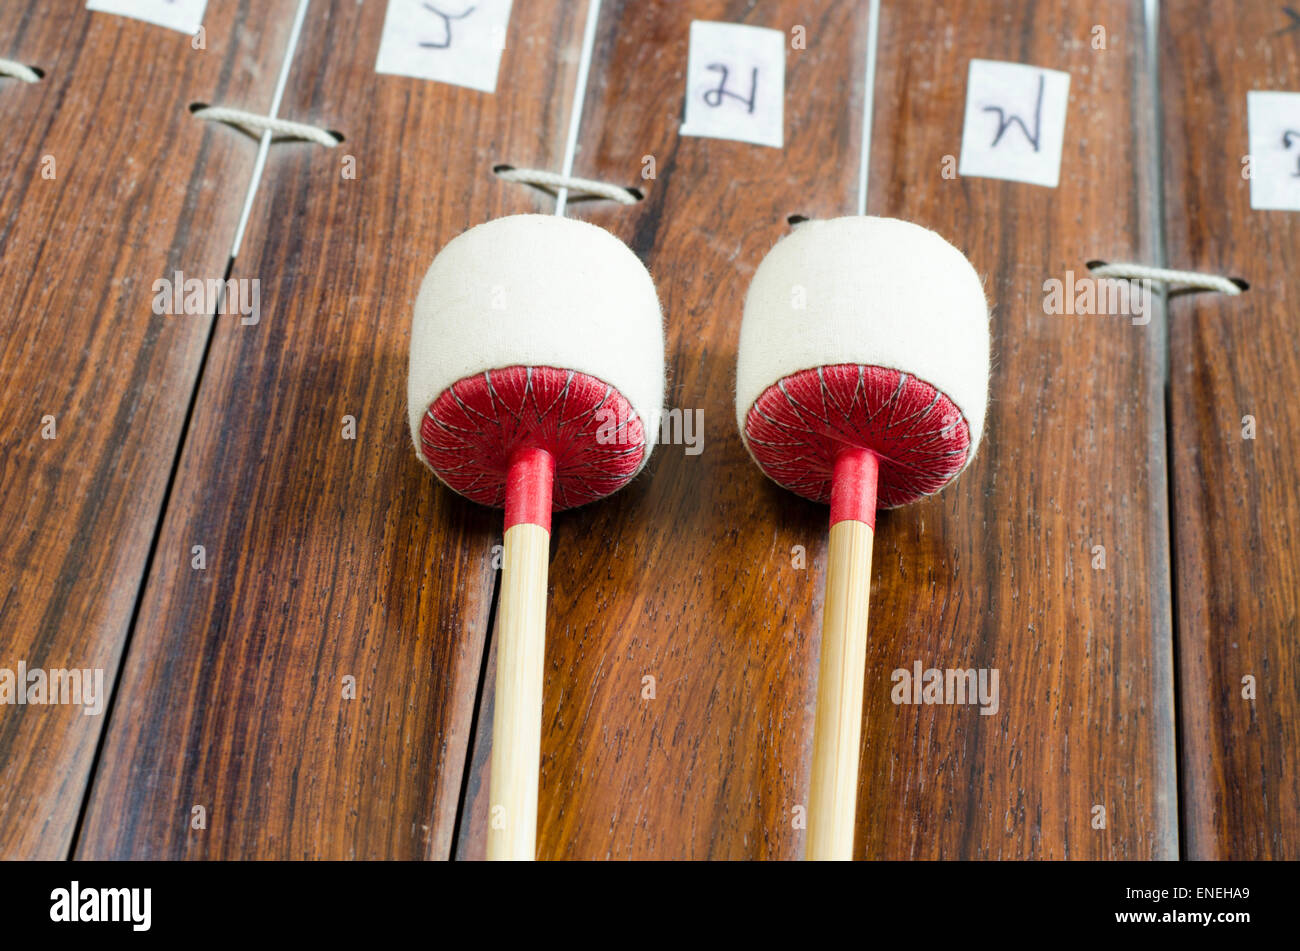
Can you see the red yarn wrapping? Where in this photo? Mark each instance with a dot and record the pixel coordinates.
(797, 426)
(472, 430)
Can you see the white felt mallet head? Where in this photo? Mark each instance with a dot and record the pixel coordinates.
(862, 380)
(536, 332)
(536, 383)
(863, 333)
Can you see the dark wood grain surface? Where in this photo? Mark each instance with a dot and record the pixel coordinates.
(1236, 500)
(329, 558)
(998, 572)
(139, 190)
(688, 576)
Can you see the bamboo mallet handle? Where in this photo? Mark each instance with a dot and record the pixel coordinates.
(521, 650)
(882, 379)
(837, 729)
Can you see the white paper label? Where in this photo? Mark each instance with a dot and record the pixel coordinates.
(185, 16)
(1274, 132)
(1015, 122)
(449, 41)
(735, 83)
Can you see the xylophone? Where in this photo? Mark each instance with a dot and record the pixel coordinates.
(216, 223)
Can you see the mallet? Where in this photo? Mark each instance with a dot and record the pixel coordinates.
(861, 381)
(536, 383)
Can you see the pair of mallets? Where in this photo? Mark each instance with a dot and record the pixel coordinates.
(537, 383)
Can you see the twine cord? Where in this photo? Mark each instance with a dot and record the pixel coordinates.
(1196, 280)
(18, 71)
(579, 186)
(257, 124)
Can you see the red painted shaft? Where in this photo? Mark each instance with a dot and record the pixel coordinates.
(853, 486)
(529, 483)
